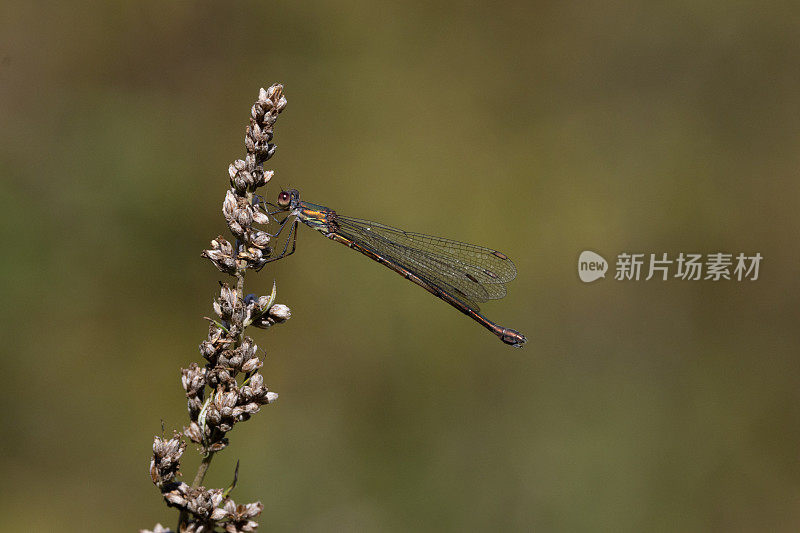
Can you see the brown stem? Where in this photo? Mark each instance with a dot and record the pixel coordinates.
(202, 469)
(198, 480)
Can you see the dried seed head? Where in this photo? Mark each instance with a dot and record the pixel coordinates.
(256, 393)
(227, 351)
(260, 239)
(277, 314)
(264, 178)
(244, 213)
(227, 304)
(166, 458)
(236, 360)
(220, 377)
(194, 405)
(178, 495)
(257, 382)
(208, 350)
(226, 401)
(213, 416)
(202, 502)
(193, 433)
(229, 205)
(248, 347)
(216, 334)
(236, 228)
(227, 294)
(263, 302)
(221, 254)
(260, 217)
(251, 364)
(240, 517)
(280, 312)
(193, 380)
(263, 115)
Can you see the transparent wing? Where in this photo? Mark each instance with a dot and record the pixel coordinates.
(489, 265)
(468, 272)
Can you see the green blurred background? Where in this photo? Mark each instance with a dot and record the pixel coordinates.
(538, 128)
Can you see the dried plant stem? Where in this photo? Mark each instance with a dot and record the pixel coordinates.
(198, 480)
(202, 469)
(228, 388)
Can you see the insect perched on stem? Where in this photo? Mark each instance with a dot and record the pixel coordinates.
(461, 274)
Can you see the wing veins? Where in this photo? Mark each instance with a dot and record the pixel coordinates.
(450, 273)
(487, 264)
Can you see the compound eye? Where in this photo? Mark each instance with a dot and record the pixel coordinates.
(284, 199)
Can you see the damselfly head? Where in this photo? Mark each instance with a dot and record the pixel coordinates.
(287, 198)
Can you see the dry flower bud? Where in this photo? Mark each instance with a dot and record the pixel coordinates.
(260, 217)
(224, 262)
(244, 215)
(213, 416)
(207, 350)
(260, 239)
(218, 514)
(240, 516)
(193, 433)
(193, 379)
(177, 496)
(236, 228)
(251, 364)
(194, 405)
(248, 348)
(220, 377)
(280, 312)
(263, 302)
(226, 304)
(165, 462)
(257, 381)
(202, 502)
(236, 360)
(229, 205)
(226, 401)
(215, 333)
(228, 294)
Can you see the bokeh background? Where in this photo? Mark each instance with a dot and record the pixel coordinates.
(538, 128)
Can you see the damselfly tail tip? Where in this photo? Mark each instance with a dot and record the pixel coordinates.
(514, 338)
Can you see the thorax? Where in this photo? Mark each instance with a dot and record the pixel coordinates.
(316, 216)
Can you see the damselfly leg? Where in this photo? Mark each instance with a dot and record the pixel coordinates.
(292, 236)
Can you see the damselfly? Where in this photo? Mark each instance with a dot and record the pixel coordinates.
(460, 274)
